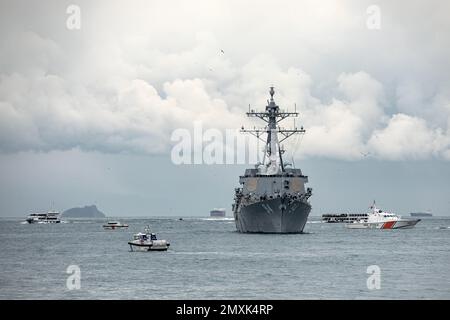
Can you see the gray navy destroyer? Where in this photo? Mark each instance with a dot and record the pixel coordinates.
(272, 197)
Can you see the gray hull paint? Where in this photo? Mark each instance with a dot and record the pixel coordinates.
(272, 216)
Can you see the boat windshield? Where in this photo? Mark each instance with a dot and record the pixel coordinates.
(140, 236)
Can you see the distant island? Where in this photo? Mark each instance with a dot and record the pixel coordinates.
(85, 212)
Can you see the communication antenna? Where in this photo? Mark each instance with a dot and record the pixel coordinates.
(272, 115)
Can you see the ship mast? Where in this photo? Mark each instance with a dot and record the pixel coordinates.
(272, 116)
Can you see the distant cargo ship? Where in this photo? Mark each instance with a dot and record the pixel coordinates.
(217, 213)
(421, 214)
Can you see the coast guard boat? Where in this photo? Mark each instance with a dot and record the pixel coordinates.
(147, 241)
(379, 219)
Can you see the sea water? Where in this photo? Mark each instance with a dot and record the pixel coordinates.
(208, 259)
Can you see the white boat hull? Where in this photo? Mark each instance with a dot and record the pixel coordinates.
(395, 224)
(154, 245)
(106, 227)
(42, 222)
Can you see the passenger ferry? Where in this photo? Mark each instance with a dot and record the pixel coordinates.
(49, 217)
(343, 217)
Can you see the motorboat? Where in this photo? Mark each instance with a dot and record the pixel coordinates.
(147, 241)
(112, 225)
(379, 219)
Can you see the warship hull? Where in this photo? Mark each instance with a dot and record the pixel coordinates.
(272, 216)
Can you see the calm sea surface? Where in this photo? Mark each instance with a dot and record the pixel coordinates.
(208, 259)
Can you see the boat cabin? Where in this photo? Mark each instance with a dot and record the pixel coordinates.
(145, 236)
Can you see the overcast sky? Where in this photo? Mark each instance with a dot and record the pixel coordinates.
(86, 115)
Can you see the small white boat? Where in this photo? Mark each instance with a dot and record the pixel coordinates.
(44, 218)
(379, 219)
(112, 225)
(147, 241)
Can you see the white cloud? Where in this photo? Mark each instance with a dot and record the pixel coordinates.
(45, 113)
(118, 86)
(408, 137)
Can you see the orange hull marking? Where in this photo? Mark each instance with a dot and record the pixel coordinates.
(388, 225)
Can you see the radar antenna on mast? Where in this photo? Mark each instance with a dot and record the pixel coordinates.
(272, 116)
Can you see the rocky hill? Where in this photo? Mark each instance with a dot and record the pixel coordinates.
(85, 212)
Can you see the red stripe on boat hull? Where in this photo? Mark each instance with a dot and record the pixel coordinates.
(388, 225)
